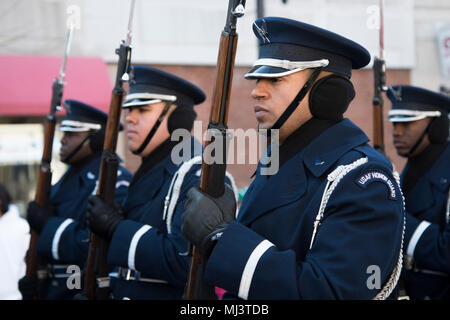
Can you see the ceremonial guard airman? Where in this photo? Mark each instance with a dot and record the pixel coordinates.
(146, 243)
(329, 223)
(64, 236)
(421, 131)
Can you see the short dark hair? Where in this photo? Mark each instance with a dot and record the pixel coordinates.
(5, 198)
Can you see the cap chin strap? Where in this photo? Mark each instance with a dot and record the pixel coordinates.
(155, 127)
(78, 148)
(294, 104)
(419, 141)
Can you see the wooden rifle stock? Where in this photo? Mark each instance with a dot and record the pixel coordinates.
(97, 281)
(378, 128)
(42, 195)
(42, 192)
(97, 270)
(212, 179)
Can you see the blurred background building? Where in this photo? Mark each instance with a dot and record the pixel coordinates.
(182, 37)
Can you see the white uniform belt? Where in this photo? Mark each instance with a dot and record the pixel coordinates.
(58, 270)
(134, 275)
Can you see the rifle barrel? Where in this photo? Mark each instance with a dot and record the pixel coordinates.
(212, 178)
(379, 70)
(45, 174)
(96, 281)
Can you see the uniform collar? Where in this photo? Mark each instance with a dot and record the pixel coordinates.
(88, 170)
(89, 163)
(195, 150)
(91, 170)
(76, 179)
(301, 138)
(327, 148)
(440, 171)
(290, 182)
(420, 165)
(421, 196)
(151, 161)
(298, 140)
(161, 156)
(327, 143)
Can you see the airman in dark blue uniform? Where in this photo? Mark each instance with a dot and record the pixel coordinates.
(146, 243)
(329, 223)
(64, 236)
(421, 130)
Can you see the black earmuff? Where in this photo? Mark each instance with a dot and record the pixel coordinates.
(330, 97)
(181, 118)
(96, 140)
(439, 129)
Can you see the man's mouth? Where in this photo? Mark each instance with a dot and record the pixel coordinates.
(259, 111)
(131, 133)
(399, 144)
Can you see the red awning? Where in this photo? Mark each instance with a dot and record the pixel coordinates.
(26, 83)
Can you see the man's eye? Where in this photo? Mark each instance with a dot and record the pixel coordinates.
(273, 80)
(143, 110)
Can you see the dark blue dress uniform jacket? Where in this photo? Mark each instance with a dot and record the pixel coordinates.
(427, 234)
(142, 242)
(65, 237)
(265, 253)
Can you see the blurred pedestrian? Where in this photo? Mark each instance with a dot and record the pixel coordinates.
(14, 240)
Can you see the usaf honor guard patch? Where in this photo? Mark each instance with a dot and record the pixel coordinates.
(376, 175)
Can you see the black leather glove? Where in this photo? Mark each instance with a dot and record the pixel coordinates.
(28, 287)
(103, 219)
(204, 217)
(37, 216)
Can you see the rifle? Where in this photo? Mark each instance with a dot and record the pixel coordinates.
(44, 182)
(97, 279)
(379, 74)
(212, 179)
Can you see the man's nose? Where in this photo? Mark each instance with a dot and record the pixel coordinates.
(131, 116)
(398, 129)
(259, 91)
(64, 139)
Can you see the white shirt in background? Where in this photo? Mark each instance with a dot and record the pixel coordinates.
(14, 242)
